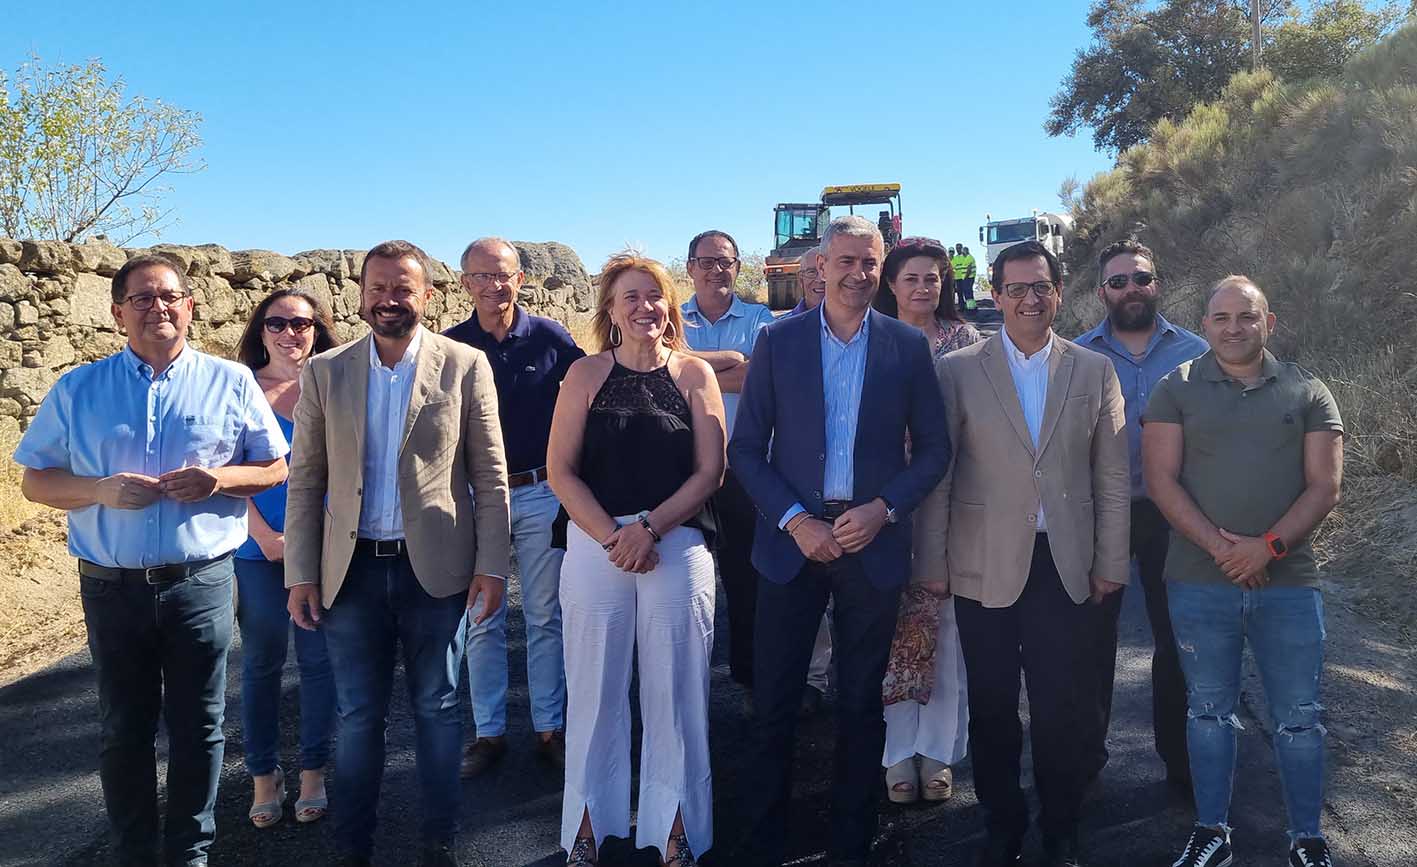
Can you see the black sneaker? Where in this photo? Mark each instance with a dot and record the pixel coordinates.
(1310, 852)
(1207, 847)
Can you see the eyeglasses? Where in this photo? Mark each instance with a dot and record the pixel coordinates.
(487, 278)
(144, 302)
(1141, 278)
(297, 324)
(707, 262)
(1043, 288)
(807, 273)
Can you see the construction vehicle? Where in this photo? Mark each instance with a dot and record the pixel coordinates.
(797, 227)
(1053, 231)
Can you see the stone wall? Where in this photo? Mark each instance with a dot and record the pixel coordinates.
(55, 302)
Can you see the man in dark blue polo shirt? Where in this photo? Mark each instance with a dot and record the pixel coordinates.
(530, 356)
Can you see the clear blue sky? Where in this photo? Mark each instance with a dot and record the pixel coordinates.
(594, 124)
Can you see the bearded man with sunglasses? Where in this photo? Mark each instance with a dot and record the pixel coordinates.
(153, 452)
(1143, 347)
(1028, 530)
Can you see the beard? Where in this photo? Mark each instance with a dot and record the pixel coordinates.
(1127, 317)
(398, 327)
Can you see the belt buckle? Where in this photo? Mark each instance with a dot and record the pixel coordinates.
(386, 547)
(148, 576)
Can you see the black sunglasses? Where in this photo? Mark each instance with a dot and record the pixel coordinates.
(298, 324)
(1141, 278)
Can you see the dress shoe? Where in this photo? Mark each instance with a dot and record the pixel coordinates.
(438, 856)
(552, 749)
(482, 755)
(811, 702)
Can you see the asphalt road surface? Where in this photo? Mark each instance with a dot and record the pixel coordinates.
(51, 808)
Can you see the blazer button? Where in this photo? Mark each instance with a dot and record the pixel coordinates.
(359, 492)
(1038, 474)
(1033, 519)
(816, 495)
(351, 534)
(821, 457)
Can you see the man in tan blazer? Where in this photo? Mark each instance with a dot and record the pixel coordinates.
(386, 545)
(1028, 527)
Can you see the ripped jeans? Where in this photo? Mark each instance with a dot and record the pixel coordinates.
(1285, 628)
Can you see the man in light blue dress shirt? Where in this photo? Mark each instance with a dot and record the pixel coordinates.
(1143, 347)
(153, 452)
(721, 328)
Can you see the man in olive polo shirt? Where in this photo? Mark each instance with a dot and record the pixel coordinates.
(1243, 455)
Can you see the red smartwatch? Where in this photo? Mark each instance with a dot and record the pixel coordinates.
(1277, 549)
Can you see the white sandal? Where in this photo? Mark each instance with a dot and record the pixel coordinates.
(902, 782)
(938, 779)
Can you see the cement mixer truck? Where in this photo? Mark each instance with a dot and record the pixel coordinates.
(1054, 231)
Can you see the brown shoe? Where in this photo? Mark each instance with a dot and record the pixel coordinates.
(552, 749)
(481, 755)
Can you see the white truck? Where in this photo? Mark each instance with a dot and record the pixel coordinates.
(1053, 231)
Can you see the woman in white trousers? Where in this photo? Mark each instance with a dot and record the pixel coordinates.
(636, 449)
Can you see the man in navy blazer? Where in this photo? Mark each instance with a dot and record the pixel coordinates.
(845, 386)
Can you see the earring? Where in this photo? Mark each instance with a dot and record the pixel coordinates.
(671, 333)
(615, 336)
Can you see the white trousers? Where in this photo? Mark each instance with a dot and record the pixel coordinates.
(669, 612)
(940, 729)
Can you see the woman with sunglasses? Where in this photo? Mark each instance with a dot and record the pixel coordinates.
(286, 328)
(927, 717)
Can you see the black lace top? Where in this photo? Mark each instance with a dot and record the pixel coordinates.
(638, 447)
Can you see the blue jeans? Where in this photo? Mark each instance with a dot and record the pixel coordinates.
(383, 614)
(534, 508)
(161, 650)
(265, 636)
(1285, 628)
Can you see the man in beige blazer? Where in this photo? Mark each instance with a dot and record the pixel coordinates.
(397, 520)
(1029, 527)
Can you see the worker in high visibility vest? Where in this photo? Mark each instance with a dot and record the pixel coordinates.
(963, 300)
(964, 280)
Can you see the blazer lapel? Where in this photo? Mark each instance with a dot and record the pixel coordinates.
(428, 367)
(996, 368)
(356, 395)
(1060, 375)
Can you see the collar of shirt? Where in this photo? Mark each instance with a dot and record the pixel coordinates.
(145, 370)
(409, 355)
(691, 308)
(1103, 333)
(1027, 364)
(861, 333)
(1211, 369)
(521, 327)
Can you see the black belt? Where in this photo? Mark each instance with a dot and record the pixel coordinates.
(169, 574)
(833, 509)
(380, 547)
(530, 477)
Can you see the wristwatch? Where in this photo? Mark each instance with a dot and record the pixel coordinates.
(1277, 549)
(890, 511)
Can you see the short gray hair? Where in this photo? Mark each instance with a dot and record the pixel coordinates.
(851, 227)
(809, 257)
(489, 241)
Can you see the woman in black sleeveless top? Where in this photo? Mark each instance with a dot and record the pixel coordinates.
(637, 448)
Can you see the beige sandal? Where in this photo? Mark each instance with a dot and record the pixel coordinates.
(902, 782)
(266, 814)
(938, 779)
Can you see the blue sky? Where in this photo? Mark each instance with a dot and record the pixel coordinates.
(598, 125)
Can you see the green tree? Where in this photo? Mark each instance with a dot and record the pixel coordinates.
(1148, 62)
(79, 158)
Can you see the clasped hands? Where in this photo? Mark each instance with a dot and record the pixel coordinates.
(631, 548)
(137, 491)
(1243, 559)
(852, 530)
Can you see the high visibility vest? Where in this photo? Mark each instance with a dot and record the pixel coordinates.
(957, 263)
(969, 266)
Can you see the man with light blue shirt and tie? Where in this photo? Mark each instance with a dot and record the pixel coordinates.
(846, 386)
(153, 452)
(1143, 347)
(721, 328)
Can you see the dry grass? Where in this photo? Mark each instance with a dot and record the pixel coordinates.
(14, 508)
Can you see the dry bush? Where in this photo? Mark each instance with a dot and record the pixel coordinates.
(14, 508)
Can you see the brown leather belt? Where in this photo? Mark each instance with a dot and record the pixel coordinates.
(530, 477)
(169, 574)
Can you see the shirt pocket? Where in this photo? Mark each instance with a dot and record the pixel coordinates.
(207, 441)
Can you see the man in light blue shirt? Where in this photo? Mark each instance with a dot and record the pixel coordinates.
(1143, 347)
(153, 452)
(722, 328)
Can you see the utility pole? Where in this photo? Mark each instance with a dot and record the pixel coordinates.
(1255, 35)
